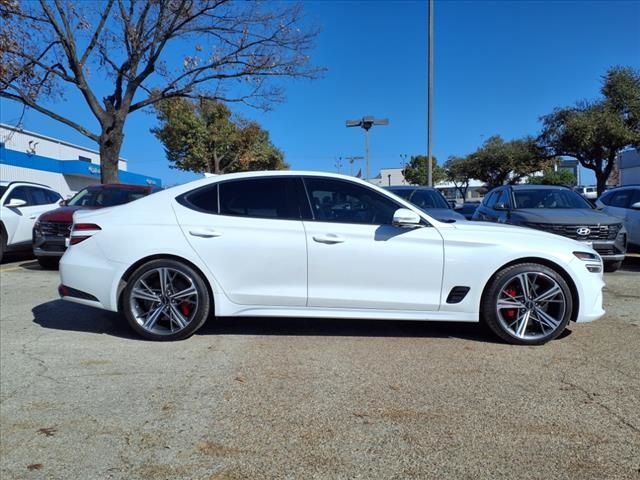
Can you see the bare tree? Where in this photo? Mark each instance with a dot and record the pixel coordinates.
(228, 51)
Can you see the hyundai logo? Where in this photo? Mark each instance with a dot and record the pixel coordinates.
(583, 231)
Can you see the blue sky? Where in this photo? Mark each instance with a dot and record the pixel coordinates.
(499, 66)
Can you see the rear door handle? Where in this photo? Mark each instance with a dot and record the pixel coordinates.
(204, 233)
(329, 238)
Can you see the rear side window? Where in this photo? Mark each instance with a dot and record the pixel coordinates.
(204, 199)
(620, 199)
(40, 196)
(260, 198)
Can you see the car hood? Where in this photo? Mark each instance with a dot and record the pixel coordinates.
(443, 214)
(62, 214)
(568, 216)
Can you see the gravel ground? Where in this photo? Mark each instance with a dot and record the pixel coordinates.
(82, 397)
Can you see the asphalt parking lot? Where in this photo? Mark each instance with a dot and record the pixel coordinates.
(82, 397)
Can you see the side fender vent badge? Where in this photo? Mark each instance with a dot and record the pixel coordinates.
(457, 294)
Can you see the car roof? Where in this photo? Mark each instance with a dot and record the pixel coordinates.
(408, 187)
(623, 187)
(529, 186)
(123, 186)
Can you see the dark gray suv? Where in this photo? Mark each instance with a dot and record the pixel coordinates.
(558, 210)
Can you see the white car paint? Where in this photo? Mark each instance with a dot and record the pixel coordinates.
(261, 267)
(18, 221)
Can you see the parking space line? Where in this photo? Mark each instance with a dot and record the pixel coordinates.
(10, 269)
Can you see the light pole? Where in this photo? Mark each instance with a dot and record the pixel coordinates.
(430, 95)
(338, 164)
(351, 160)
(367, 123)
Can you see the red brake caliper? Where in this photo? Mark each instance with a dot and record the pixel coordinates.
(184, 308)
(510, 313)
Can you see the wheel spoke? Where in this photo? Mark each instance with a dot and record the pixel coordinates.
(549, 294)
(177, 317)
(522, 326)
(164, 280)
(509, 303)
(145, 295)
(545, 319)
(153, 317)
(183, 294)
(524, 284)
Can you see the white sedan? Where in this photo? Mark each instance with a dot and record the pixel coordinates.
(308, 244)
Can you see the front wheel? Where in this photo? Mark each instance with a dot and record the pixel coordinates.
(166, 300)
(527, 304)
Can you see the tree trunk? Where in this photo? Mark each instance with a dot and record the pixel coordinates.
(110, 143)
(601, 181)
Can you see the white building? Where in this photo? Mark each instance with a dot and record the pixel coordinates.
(389, 177)
(65, 167)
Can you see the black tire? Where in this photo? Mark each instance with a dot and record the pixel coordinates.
(3, 243)
(49, 263)
(162, 329)
(612, 266)
(506, 286)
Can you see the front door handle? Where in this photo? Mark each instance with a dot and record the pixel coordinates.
(204, 233)
(32, 217)
(329, 238)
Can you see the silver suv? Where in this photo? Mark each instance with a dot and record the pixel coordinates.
(624, 203)
(21, 203)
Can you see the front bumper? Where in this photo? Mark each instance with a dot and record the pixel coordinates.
(610, 250)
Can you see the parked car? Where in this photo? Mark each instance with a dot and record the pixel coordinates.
(20, 205)
(428, 200)
(306, 244)
(589, 192)
(624, 203)
(558, 210)
(468, 209)
(53, 228)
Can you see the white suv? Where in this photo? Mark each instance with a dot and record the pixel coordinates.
(21, 203)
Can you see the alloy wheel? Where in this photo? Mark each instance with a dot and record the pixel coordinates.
(531, 305)
(164, 301)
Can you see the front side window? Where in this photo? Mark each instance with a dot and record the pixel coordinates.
(402, 192)
(39, 196)
(504, 198)
(277, 198)
(492, 199)
(621, 199)
(345, 202)
(19, 193)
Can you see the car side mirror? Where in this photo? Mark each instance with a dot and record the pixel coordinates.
(15, 203)
(405, 218)
(636, 206)
(62, 202)
(452, 204)
(500, 206)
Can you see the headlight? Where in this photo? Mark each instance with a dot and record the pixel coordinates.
(587, 256)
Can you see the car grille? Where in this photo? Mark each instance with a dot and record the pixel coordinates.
(605, 249)
(596, 232)
(55, 229)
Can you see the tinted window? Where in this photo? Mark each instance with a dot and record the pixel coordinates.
(38, 196)
(262, 198)
(204, 199)
(346, 202)
(504, 198)
(620, 199)
(19, 193)
(2, 190)
(428, 199)
(549, 198)
(53, 197)
(105, 197)
(636, 196)
(492, 199)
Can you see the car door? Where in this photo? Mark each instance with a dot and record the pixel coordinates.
(485, 211)
(250, 235)
(633, 219)
(358, 259)
(502, 206)
(25, 216)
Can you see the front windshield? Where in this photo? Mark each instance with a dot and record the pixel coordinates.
(549, 198)
(104, 197)
(428, 199)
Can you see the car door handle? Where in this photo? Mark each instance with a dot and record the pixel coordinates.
(32, 217)
(329, 238)
(204, 233)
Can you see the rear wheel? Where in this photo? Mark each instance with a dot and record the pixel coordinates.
(166, 300)
(48, 263)
(527, 304)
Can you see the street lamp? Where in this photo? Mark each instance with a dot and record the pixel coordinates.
(367, 123)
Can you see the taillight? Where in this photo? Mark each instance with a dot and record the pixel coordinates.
(81, 231)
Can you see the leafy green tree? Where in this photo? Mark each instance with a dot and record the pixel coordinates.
(415, 172)
(552, 177)
(498, 162)
(459, 171)
(595, 132)
(203, 136)
(228, 51)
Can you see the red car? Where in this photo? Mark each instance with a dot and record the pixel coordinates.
(53, 228)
